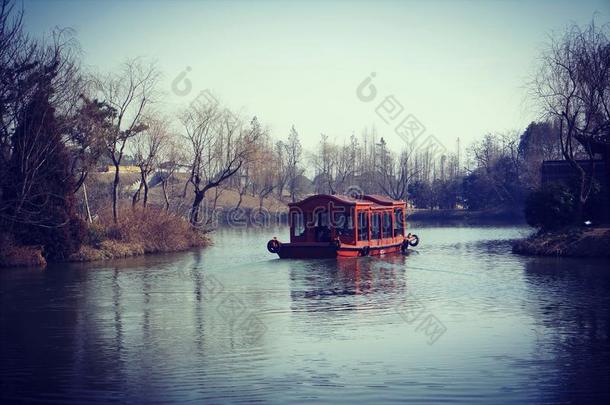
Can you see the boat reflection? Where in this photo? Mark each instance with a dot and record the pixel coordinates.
(380, 281)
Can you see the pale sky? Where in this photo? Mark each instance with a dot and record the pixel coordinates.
(460, 67)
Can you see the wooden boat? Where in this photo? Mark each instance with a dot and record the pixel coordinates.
(340, 226)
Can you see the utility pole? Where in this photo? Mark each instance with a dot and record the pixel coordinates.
(458, 156)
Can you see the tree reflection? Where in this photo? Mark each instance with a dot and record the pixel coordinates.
(570, 302)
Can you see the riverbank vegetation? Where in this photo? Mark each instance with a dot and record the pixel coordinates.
(141, 231)
(572, 88)
(92, 166)
(58, 124)
(567, 242)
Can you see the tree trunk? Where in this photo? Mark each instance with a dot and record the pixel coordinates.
(241, 198)
(86, 199)
(280, 191)
(164, 188)
(115, 193)
(195, 207)
(145, 193)
(136, 196)
(211, 215)
(186, 186)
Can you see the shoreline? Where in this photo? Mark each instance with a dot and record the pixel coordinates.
(140, 232)
(450, 216)
(33, 256)
(111, 250)
(569, 242)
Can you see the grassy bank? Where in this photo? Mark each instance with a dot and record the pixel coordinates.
(574, 242)
(138, 232)
(13, 254)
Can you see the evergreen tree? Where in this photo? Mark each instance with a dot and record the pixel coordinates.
(40, 183)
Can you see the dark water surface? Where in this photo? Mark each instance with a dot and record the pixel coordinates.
(462, 320)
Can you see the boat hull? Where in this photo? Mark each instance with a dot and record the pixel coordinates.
(312, 251)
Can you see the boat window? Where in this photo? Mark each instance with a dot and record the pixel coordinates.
(343, 223)
(399, 224)
(321, 218)
(338, 219)
(363, 226)
(298, 224)
(322, 227)
(376, 226)
(387, 225)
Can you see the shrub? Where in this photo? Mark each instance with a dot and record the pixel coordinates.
(550, 207)
(38, 196)
(15, 255)
(152, 229)
(96, 234)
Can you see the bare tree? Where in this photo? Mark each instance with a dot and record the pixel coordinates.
(251, 175)
(572, 88)
(344, 168)
(266, 167)
(283, 173)
(325, 164)
(397, 176)
(219, 146)
(243, 183)
(294, 153)
(172, 157)
(147, 148)
(496, 156)
(129, 92)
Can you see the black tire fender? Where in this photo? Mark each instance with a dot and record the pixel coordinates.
(273, 246)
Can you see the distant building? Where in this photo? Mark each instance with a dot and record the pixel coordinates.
(177, 168)
(122, 168)
(560, 171)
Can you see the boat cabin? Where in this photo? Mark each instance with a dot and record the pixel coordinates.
(336, 225)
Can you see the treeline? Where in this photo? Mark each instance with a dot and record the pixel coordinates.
(60, 123)
(570, 90)
(495, 172)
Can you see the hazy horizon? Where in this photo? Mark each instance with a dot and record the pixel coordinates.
(460, 67)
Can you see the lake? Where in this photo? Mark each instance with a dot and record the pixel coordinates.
(459, 320)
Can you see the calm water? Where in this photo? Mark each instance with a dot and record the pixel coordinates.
(462, 320)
